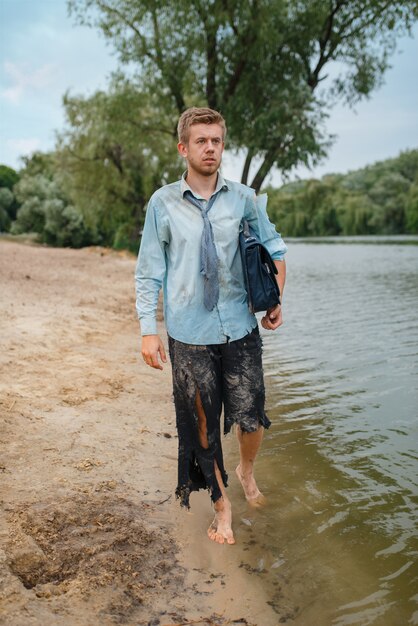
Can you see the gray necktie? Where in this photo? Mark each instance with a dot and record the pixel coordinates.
(208, 255)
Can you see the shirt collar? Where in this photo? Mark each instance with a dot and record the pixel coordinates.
(184, 186)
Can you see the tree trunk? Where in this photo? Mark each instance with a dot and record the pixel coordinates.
(211, 57)
(246, 168)
(264, 169)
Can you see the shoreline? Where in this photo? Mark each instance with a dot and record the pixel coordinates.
(91, 531)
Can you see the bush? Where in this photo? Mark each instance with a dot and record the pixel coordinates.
(64, 226)
(6, 201)
(46, 211)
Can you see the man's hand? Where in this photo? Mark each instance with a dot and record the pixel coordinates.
(153, 351)
(273, 318)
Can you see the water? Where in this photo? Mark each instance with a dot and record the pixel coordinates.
(337, 544)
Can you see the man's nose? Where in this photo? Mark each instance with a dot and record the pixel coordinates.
(209, 146)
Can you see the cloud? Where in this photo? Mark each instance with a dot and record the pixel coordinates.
(24, 80)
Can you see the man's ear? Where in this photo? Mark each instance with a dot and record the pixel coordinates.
(182, 149)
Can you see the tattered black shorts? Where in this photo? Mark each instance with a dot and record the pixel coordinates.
(207, 379)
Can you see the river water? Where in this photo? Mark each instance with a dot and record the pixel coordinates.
(337, 544)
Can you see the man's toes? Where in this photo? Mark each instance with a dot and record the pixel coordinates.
(218, 537)
(214, 536)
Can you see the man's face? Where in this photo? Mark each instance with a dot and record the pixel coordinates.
(204, 148)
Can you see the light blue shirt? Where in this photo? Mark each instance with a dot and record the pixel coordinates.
(169, 257)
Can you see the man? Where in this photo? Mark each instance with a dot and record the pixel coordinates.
(190, 248)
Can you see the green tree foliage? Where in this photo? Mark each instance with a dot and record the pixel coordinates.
(40, 163)
(8, 203)
(379, 199)
(45, 208)
(274, 68)
(117, 149)
(8, 177)
(411, 209)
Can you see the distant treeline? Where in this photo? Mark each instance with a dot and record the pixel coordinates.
(381, 199)
(86, 204)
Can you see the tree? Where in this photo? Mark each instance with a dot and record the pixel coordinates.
(263, 63)
(118, 147)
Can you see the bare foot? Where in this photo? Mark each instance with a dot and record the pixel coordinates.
(220, 530)
(252, 493)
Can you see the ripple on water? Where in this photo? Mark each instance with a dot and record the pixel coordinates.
(339, 463)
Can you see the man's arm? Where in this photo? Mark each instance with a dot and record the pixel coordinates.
(273, 317)
(149, 275)
(256, 215)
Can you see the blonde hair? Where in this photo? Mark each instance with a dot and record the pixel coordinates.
(198, 115)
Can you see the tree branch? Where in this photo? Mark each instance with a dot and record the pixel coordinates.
(211, 55)
(111, 10)
(152, 129)
(159, 54)
(114, 153)
(170, 76)
(329, 40)
(324, 40)
(365, 24)
(212, 60)
(244, 43)
(83, 159)
(228, 10)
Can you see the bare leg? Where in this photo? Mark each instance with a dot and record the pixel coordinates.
(249, 444)
(220, 530)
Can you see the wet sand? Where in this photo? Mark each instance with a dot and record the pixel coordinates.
(90, 531)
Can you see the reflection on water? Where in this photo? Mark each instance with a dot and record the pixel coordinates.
(337, 544)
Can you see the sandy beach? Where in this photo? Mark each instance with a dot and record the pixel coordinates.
(91, 532)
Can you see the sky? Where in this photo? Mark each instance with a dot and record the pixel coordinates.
(43, 54)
